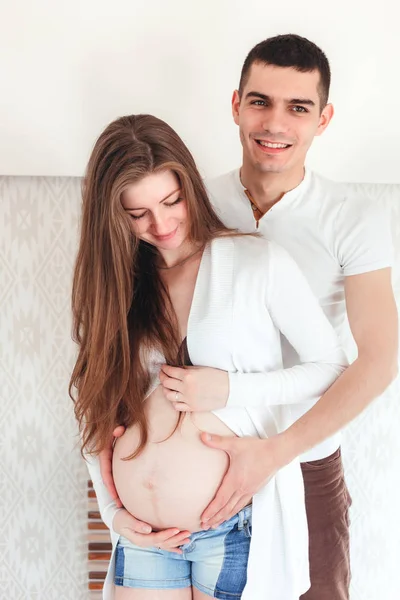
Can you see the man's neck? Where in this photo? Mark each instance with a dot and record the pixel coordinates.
(266, 189)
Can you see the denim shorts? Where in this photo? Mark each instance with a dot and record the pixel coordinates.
(214, 561)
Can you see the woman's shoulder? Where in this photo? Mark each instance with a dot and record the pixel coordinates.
(254, 253)
(253, 247)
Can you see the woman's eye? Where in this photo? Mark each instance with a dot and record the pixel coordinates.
(173, 203)
(137, 217)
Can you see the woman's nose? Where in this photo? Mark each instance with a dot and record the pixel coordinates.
(159, 225)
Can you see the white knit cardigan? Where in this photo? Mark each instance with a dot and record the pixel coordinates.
(248, 291)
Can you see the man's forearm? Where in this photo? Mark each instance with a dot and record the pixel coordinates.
(351, 393)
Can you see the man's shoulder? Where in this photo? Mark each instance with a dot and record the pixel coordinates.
(322, 190)
(356, 226)
(222, 184)
(223, 177)
(254, 251)
(340, 193)
(337, 200)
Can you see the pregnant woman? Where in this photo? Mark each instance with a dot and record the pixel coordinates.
(159, 279)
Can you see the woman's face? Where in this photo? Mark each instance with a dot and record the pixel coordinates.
(157, 210)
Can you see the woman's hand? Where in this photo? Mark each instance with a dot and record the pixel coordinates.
(168, 539)
(195, 388)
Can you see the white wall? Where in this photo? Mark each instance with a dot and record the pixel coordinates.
(67, 69)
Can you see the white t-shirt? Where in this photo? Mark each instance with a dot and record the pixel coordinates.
(331, 234)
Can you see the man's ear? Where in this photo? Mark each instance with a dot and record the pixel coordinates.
(235, 106)
(325, 118)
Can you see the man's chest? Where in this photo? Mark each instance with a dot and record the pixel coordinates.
(309, 241)
(314, 253)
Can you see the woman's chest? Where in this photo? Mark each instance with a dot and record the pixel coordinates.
(230, 328)
(181, 287)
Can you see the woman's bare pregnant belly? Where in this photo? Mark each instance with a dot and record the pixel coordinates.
(171, 482)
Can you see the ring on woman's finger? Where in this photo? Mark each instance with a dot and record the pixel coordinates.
(176, 396)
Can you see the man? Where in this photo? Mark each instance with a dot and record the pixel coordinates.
(342, 244)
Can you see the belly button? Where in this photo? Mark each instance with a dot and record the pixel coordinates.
(149, 484)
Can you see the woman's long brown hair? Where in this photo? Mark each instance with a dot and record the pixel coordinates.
(120, 306)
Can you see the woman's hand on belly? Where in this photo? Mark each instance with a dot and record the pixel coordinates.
(195, 388)
(168, 539)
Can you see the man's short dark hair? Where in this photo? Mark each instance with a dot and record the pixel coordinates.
(294, 51)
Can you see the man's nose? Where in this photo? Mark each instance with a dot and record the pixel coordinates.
(276, 121)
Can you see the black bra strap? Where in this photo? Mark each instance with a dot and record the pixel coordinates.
(186, 358)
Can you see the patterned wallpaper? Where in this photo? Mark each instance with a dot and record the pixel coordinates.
(43, 479)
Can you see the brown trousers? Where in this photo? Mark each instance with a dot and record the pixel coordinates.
(327, 505)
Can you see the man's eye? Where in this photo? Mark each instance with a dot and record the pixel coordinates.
(299, 109)
(258, 103)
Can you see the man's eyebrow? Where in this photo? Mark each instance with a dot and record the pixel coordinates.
(305, 101)
(258, 95)
(266, 98)
(163, 200)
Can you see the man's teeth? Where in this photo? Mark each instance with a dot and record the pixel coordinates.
(269, 145)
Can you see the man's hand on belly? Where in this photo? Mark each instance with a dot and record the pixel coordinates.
(195, 388)
(253, 462)
(168, 539)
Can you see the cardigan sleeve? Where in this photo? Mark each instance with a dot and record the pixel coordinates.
(296, 312)
(107, 506)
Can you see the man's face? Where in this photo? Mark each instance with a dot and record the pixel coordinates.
(278, 115)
